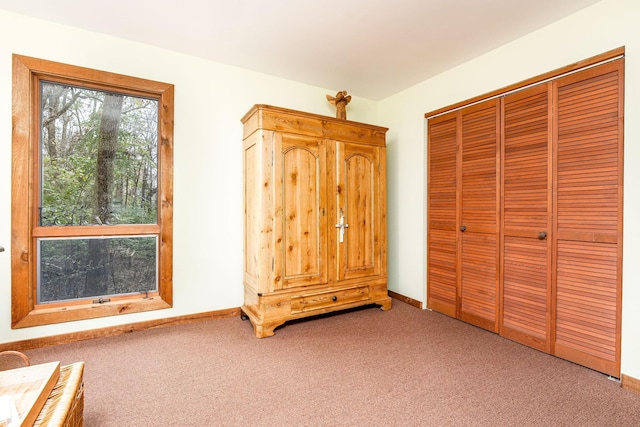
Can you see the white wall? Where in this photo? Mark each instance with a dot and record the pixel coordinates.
(210, 99)
(604, 26)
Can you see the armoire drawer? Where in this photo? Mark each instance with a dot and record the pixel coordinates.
(322, 300)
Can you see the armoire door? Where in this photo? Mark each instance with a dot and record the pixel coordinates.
(358, 216)
(588, 211)
(301, 225)
(479, 181)
(527, 210)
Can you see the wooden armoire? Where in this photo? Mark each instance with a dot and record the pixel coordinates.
(525, 212)
(314, 216)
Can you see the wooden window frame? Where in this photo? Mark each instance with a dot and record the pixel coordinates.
(25, 312)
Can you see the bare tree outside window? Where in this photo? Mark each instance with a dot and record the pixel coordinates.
(98, 157)
(99, 167)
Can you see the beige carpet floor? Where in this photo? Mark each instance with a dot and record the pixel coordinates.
(366, 367)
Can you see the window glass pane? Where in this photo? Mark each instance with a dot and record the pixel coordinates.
(98, 157)
(82, 268)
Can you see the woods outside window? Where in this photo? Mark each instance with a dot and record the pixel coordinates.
(91, 193)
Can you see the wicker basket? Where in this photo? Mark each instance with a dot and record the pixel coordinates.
(65, 405)
(13, 359)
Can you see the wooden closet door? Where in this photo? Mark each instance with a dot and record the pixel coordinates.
(527, 208)
(301, 218)
(442, 230)
(360, 201)
(588, 235)
(478, 175)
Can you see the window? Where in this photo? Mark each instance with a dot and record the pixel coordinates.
(92, 193)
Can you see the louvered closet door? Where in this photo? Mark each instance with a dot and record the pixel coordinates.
(526, 294)
(479, 213)
(442, 227)
(588, 238)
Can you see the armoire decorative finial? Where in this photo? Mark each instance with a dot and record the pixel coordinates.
(340, 101)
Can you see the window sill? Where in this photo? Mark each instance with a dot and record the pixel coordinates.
(49, 315)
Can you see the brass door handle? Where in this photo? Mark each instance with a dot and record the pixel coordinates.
(463, 228)
(542, 235)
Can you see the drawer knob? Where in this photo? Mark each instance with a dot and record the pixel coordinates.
(334, 298)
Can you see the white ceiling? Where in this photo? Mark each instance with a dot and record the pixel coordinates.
(371, 48)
